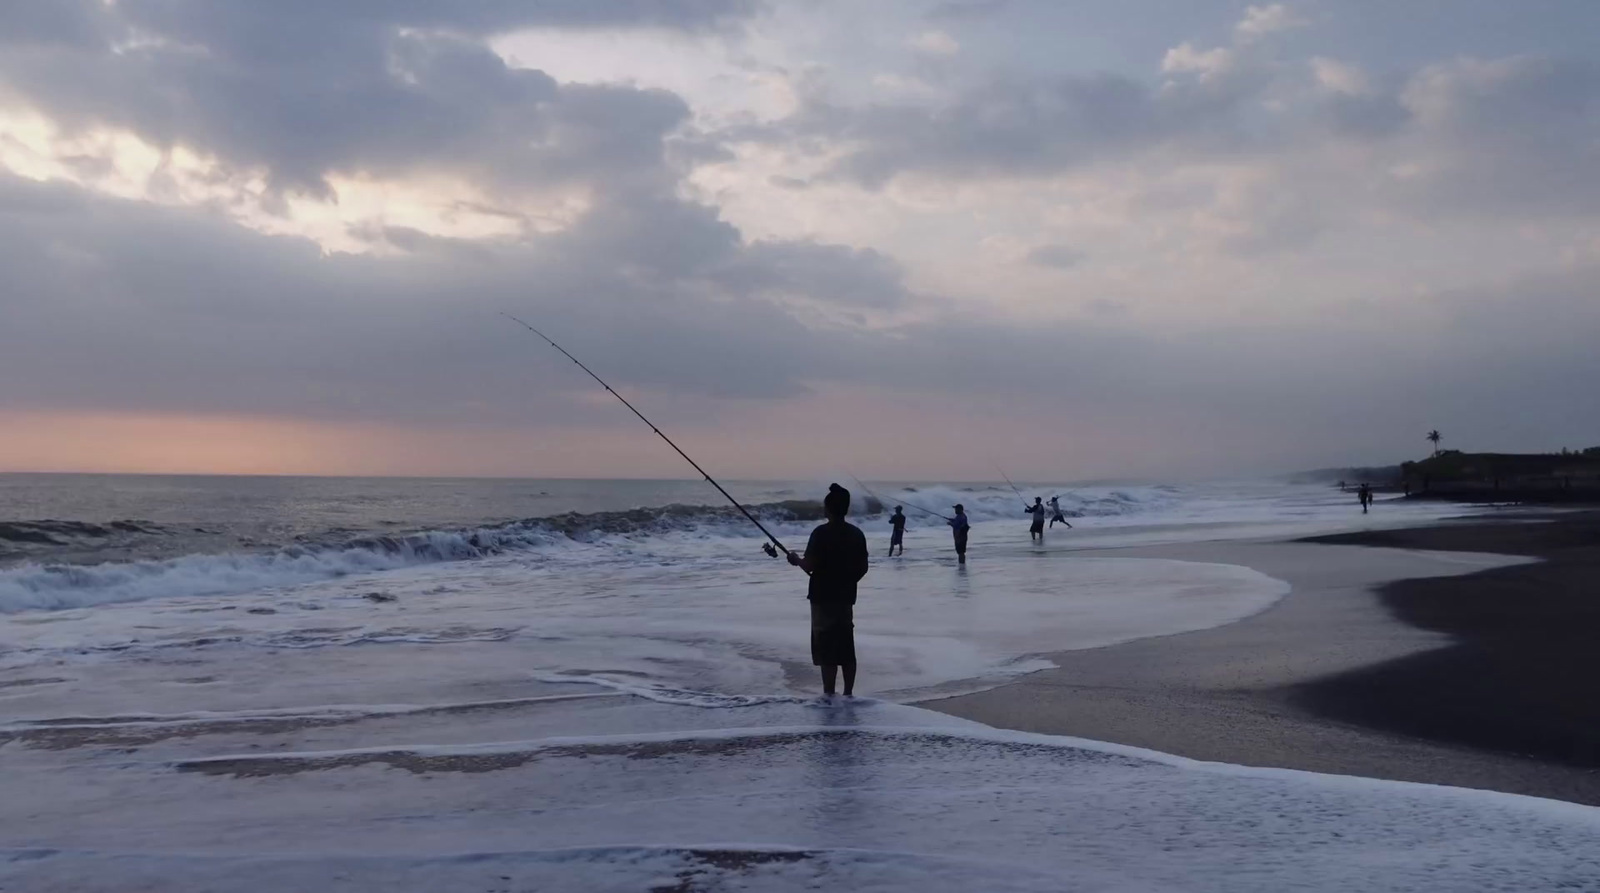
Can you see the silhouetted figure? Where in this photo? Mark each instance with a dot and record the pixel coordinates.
(1036, 529)
(959, 527)
(836, 559)
(1364, 493)
(897, 531)
(1055, 513)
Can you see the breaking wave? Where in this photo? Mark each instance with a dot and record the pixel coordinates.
(47, 586)
(43, 585)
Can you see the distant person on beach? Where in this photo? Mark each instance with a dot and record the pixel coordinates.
(1364, 493)
(836, 559)
(959, 527)
(1055, 513)
(897, 531)
(1036, 529)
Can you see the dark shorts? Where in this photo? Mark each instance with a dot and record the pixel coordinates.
(1037, 526)
(961, 542)
(894, 538)
(833, 636)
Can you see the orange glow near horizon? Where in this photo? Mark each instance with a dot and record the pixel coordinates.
(829, 433)
(129, 443)
(167, 444)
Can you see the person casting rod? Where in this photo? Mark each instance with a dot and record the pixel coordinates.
(767, 547)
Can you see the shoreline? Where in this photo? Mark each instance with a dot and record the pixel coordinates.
(1522, 674)
(1348, 674)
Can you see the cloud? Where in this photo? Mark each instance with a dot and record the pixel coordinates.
(304, 90)
(829, 274)
(934, 43)
(1059, 257)
(1338, 77)
(1511, 135)
(1002, 127)
(1185, 58)
(1044, 123)
(1289, 253)
(1259, 21)
(967, 10)
(169, 311)
(175, 310)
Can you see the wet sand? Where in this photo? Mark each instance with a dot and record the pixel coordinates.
(1524, 673)
(1382, 662)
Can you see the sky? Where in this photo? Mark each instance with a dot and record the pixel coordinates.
(1080, 239)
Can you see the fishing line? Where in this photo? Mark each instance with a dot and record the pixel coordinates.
(884, 502)
(1008, 481)
(767, 547)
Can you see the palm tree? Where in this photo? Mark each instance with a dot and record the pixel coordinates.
(1434, 436)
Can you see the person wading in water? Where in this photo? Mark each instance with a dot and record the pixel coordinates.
(897, 534)
(836, 559)
(1055, 513)
(1035, 529)
(959, 527)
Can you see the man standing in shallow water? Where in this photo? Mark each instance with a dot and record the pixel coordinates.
(959, 528)
(836, 559)
(1036, 528)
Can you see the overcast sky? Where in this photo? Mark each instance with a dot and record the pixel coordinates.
(1080, 238)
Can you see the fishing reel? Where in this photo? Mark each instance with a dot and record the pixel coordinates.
(770, 549)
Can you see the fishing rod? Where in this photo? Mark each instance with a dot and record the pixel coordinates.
(862, 484)
(1008, 481)
(766, 547)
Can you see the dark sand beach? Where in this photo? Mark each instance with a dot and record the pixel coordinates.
(1523, 675)
(1439, 666)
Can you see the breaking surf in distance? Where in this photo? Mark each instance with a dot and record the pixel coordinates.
(221, 536)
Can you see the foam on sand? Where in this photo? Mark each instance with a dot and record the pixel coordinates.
(778, 796)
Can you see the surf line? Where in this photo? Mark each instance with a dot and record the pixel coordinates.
(881, 501)
(766, 547)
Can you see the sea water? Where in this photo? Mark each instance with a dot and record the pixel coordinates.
(256, 684)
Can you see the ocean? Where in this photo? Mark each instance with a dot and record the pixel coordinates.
(69, 540)
(261, 683)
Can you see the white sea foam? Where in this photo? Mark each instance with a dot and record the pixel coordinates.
(771, 797)
(674, 533)
(681, 617)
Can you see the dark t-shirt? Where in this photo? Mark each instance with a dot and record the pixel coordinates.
(898, 522)
(838, 554)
